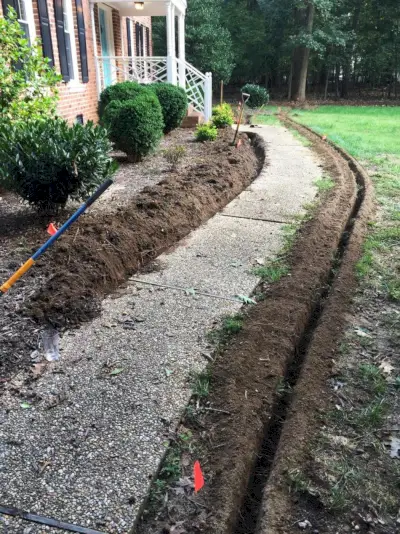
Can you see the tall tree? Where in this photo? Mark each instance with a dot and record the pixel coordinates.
(304, 21)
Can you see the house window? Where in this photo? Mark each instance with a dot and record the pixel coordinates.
(69, 36)
(25, 18)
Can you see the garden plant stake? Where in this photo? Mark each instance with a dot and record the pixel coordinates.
(245, 98)
(28, 264)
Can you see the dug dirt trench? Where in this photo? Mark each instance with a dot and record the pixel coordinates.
(267, 386)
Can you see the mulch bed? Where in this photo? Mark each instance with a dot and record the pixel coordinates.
(108, 245)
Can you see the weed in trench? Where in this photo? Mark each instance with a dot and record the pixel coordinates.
(299, 483)
(372, 416)
(373, 376)
(231, 324)
(201, 384)
(271, 273)
(324, 184)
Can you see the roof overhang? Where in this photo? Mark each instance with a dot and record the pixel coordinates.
(151, 8)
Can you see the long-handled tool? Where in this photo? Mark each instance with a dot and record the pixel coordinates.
(245, 98)
(28, 264)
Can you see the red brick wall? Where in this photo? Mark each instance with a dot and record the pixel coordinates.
(77, 98)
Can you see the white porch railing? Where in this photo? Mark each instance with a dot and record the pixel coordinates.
(151, 69)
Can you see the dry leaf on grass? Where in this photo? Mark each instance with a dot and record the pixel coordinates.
(386, 367)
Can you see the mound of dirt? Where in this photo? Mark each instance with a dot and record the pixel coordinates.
(104, 249)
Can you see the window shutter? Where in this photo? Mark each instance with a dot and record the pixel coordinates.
(45, 32)
(129, 36)
(82, 41)
(141, 40)
(137, 39)
(148, 41)
(62, 49)
(10, 3)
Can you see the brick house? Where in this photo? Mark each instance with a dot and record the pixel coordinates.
(94, 44)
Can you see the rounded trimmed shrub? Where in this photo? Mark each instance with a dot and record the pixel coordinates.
(259, 96)
(206, 132)
(135, 126)
(222, 116)
(46, 161)
(120, 91)
(174, 104)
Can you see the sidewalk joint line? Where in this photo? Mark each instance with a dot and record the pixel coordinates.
(186, 289)
(254, 218)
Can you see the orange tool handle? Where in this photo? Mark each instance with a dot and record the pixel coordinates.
(17, 275)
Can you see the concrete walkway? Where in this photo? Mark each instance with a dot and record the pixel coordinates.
(86, 451)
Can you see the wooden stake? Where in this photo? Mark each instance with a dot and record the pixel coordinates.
(222, 92)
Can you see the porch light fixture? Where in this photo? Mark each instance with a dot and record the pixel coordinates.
(139, 5)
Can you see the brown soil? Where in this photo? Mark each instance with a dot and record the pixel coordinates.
(312, 391)
(247, 378)
(103, 250)
(105, 247)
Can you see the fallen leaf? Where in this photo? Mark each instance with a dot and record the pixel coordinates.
(116, 371)
(304, 524)
(361, 333)
(177, 529)
(190, 291)
(394, 444)
(245, 299)
(386, 367)
(38, 369)
(25, 405)
(260, 261)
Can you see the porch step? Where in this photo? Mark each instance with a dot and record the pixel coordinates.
(192, 119)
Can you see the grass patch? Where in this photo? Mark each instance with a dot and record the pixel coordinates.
(371, 133)
(271, 273)
(231, 325)
(326, 183)
(303, 140)
(201, 384)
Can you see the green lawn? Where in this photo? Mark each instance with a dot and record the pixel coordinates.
(366, 132)
(372, 135)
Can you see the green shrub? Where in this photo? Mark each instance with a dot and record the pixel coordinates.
(206, 132)
(120, 91)
(46, 161)
(135, 126)
(258, 95)
(222, 116)
(174, 104)
(174, 155)
(27, 82)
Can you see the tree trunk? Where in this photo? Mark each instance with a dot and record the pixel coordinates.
(337, 79)
(301, 54)
(290, 83)
(326, 84)
(350, 51)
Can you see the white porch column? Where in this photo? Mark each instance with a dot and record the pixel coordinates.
(182, 56)
(96, 59)
(171, 52)
(208, 97)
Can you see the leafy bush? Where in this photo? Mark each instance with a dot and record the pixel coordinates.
(46, 161)
(120, 91)
(206, 132)
(135, 126)
(27, 82)
(174, 104)
(174, 154)
(222, 116)
(258, 95)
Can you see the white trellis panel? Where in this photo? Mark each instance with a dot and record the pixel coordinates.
(151, 69)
